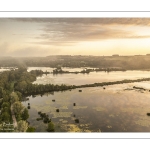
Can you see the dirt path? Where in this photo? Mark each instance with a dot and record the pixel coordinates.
(14, 118)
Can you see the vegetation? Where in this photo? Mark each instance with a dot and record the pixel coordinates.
(76, 120)
(102, 62)
(148, 114)
(140, 88)
(28, 107)
(57, 110)
(60, 71)
(22, 126)
(25, 114)
(11, 98)
(44, 117)
(39, 112)
(51, 127)
(18, 109)
(41, 89)
(46, 120)
(38, 119)
(38, 72)
(31, 129)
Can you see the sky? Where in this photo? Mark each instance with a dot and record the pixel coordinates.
(25, 37)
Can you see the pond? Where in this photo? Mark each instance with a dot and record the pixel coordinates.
(117, 108)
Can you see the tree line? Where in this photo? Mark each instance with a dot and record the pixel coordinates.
(10, 98)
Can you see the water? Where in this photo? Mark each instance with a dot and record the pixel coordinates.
(92, 77)
(114, 109)
(118, 108)
(2, 69)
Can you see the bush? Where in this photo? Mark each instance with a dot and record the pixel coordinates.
(31, 129)
(39, 119)
(46, 120)
(76, 120)
(43, 115)
(39, 112)
(57, 110)
(51, 127)
(148, 114)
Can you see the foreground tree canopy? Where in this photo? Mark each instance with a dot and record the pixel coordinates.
(22, 126)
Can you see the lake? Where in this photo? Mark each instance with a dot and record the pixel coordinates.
(114, 109)
(118, 108)
(92, 77)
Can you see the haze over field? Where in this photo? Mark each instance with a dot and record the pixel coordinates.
(74, 36)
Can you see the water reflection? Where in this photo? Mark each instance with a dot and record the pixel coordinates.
(92, 77)
(111, 110)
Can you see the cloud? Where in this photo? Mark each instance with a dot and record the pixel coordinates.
(7, 49)
(35, 51)
(69, 31)
(54, 43)
(102, 21)
(69, 34)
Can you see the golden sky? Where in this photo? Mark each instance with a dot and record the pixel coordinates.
(74, 36)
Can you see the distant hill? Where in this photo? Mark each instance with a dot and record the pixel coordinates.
(126, 62)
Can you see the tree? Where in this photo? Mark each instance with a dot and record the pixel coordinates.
(25, 114)
(5, 104)
(11, 76)
(19, 95)
(6, 109)
(14, 97)
(5, 97)
(17, 108)
(22, 126)
(21, 86)
(1, 92)
(5, 117)
(51, 127)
